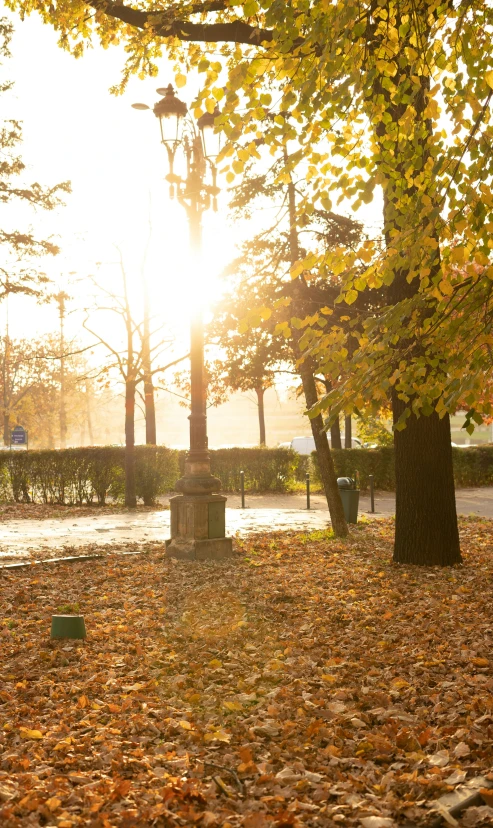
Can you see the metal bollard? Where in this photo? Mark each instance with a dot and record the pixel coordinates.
(307, 490)
(242, 488)
(372, 493)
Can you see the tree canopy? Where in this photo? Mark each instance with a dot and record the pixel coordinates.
(381, 94)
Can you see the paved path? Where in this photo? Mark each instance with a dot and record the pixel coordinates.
(19, 538)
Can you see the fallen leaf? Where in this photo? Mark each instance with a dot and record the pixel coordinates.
(336, 707)
(219, 735)
(288, 775)
(30, 734)
(455, 777)
(233, 706)
(439, 759)
(53, 803)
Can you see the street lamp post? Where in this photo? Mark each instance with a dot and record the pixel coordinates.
(198, 512)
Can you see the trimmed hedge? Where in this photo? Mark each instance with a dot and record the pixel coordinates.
(81, 475)
(472, 466)
(350, 462)
(266, 470)
(84, 475)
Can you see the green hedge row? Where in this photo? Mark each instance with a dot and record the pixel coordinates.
(266, 470)
(86, 475)
(362, 462)
(472, 466)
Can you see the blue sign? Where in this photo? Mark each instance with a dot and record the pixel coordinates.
(18, 436)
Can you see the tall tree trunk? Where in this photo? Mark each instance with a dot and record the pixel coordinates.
(150, 407)
(325, 462)
(335, 428)
(130, 497)
(348, 432)
(89, 414)
(63, 410)
(6, 427)
(6, 388)
(324, 455)
(261, 413)
(426, 531)
(335, 434)
(130, 383)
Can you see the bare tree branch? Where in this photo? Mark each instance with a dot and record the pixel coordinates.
(163, 26)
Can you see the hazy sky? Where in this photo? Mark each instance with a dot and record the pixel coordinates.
(74, 129)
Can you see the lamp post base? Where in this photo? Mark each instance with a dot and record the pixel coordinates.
(198, 528)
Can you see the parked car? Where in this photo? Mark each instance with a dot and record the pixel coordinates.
(305, 445)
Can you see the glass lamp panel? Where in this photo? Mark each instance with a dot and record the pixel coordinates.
(170, 125)
(211, 141)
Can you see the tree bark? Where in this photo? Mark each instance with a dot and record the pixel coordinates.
(325, 462)
(88, 413)
(6, 428)
(130, 497)
(150, 407)
(237, 31)
(335, 435)
(63, 410)
(335, 428)
(130, 383)
(6, 390)
(426, 531)
(261, 413)
(348, 433)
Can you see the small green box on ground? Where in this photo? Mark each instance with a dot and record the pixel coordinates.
(68, 626)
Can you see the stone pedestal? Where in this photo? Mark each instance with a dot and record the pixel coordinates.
(198, 527)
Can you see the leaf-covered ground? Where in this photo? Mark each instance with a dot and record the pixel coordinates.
(306, 681)
(41, 511)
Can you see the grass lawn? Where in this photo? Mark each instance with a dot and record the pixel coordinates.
(306, 681)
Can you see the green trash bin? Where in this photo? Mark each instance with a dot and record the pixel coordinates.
(350, 498)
